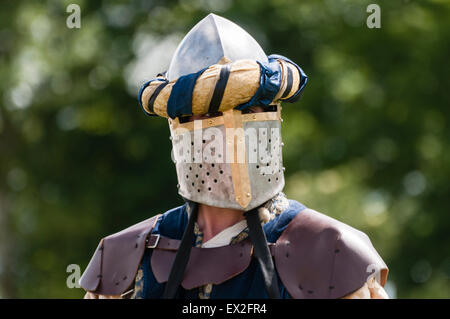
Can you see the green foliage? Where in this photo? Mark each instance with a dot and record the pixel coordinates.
(367, 143)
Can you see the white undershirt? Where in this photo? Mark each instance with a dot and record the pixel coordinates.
(224, 237)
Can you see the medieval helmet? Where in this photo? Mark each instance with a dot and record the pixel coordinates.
(232, 159)
(225, 156)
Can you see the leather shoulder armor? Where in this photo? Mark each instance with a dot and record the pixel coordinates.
(320, 257)
(114, 264)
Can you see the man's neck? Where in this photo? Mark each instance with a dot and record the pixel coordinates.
(212, 220)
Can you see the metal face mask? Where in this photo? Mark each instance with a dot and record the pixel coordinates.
(231, 161)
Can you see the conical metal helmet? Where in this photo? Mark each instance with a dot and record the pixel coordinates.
(231, 160)
(211, 40)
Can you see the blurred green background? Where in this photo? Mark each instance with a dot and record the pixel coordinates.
(367, 144)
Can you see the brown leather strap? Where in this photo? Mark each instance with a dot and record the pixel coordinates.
(156, 241)
(160, 242)
(206, 265)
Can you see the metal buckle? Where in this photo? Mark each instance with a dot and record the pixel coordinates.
(156, 241)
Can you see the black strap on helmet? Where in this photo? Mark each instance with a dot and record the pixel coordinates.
(182, 256)
(262, 253)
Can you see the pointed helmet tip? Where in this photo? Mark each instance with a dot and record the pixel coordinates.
(211, 39)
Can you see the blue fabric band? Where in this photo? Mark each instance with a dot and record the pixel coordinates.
(303, 76)
(269, 85)
(180, 100)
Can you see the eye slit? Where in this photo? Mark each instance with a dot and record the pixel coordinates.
(248, 111)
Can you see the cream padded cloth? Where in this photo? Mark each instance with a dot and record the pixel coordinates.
(242, 84)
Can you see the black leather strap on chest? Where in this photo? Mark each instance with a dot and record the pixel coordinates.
(263, 254)
(257, 237)
(182, 256)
